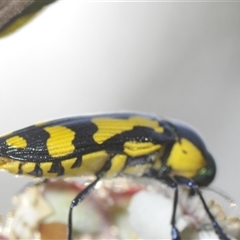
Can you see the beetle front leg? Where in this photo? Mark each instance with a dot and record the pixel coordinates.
(192, 185)
(173, 184)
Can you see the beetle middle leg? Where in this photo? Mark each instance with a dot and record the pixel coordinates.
(83, 194)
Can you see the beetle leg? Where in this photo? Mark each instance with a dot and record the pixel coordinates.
(173, 184)
(192, 185)
(37, 183)
(83, 194)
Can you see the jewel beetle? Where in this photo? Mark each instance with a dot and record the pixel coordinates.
(113, 145)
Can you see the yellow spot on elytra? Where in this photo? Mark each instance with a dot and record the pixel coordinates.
(16, 142)
(117, 164)
(138, 149)
(185, 159)
(60, 141)
(108, 127)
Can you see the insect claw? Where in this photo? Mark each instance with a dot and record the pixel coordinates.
(175, 234)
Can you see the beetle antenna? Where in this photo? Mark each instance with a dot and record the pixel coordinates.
(223, 195)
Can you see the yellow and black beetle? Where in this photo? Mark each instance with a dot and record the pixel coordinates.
(110, 145)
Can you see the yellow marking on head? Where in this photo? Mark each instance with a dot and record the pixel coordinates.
(60, 141)
(135, 149)
(16, 142)
(108, 127)
(11, 166)
(186, 159)
(137, 170)
(118, 162)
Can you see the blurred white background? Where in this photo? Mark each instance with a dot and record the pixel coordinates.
(178, 60)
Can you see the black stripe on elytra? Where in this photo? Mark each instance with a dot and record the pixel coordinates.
(83, 140)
